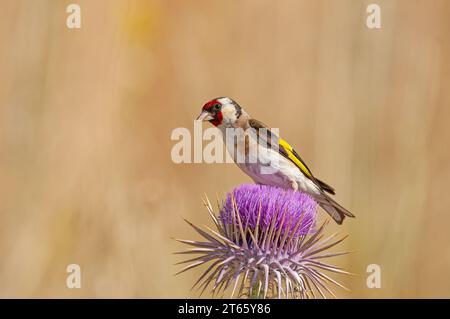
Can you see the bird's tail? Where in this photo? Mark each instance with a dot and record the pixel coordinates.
(336, 211)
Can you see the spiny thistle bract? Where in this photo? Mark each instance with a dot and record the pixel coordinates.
(265, 246)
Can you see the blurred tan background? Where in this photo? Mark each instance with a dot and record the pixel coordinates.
(86, 116)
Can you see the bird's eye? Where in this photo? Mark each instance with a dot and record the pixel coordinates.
(217, 106)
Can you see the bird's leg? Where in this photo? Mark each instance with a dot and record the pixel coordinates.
(259, 184)
(294, 185)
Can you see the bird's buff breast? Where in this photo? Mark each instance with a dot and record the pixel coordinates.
(283, 174)
(254, 171)
(269, 168)
(265, 165)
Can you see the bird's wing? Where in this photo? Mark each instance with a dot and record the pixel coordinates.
(287, 151)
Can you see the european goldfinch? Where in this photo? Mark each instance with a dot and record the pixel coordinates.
(286, 168)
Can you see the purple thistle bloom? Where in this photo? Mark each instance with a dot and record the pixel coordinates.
(264, 246)
(273, 202)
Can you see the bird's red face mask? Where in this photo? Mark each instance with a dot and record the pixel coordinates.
(212, 112)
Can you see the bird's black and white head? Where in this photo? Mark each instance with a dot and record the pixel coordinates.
(221, 112)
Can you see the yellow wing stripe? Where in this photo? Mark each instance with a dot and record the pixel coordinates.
(292, 157)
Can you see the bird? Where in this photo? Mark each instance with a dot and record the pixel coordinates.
(265, 157)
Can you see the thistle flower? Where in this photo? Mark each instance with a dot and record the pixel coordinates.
(251, 198)
(265, 246)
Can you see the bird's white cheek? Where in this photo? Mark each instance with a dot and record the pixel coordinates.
(229, 116)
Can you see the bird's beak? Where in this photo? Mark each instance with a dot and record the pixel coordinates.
(204, 116)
